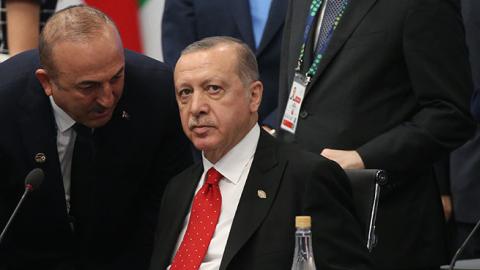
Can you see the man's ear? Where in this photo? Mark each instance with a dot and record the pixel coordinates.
(44, 80)
(256, 92)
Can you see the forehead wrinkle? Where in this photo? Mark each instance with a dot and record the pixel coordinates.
(195, 66)
(87, 81)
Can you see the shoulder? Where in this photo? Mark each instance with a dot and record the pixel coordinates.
(147, 74)
(193, 169)
(148, 81)
(19, 66)
(17, 75)
(183, 180)
(137, 64)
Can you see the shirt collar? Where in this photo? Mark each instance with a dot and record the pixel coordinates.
(62, 119)
(232, 164)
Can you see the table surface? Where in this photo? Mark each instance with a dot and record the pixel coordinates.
(473, 264)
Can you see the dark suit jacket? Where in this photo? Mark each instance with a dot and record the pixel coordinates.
(186, 21)
(136, 157)
(476, 105)
(470, 9)
(394, 85)
(465, 160)
(263, 230)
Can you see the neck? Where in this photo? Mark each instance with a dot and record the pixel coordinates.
(216, 154)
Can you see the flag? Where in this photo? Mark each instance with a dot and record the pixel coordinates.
(151, 13)
(125, 15)
(138, 22)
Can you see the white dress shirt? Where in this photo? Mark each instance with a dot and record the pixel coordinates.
(65, 142)
(234, 167)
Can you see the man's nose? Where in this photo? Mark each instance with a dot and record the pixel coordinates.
(106, 96)
(199, 103)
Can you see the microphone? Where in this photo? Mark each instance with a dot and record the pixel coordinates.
(32, 181)
(460, 249)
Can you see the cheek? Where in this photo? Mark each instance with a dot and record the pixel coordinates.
(184, 121)
(118, 91)
(84, 105)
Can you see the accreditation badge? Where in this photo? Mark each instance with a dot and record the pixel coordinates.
(295, 99)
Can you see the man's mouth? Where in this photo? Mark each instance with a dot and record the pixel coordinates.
(101, 114)
(201, 130)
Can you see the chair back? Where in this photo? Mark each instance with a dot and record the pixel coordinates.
(366, 185)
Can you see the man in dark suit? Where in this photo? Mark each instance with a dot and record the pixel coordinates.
(257, 23)
(248, 188)
(387, 88)
(81, 95)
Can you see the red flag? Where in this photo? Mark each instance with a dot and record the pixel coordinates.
(125, 15)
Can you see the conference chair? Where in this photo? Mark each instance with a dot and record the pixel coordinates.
(366, 185)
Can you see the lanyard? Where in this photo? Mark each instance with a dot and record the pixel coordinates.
(320, 50)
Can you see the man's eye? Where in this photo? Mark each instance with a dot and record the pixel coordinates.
(184, 92)
(213, 88)
(87, 87)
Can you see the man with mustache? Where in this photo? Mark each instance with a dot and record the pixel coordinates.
(102, 123)
(236, 209)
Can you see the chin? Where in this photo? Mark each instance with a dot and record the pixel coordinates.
(203, 144)
(97, 123)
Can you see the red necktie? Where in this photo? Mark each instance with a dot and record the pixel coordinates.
(203, 220)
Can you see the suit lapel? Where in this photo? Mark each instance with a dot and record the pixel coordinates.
(265, 175)
(38, 132)
(274, 24)
(240, 10)
(181, 194)
(115, 138)
(37, 121)
(354, 14)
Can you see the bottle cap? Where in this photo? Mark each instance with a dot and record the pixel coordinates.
(303, 222)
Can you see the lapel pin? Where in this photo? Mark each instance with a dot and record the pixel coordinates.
(40, 158)
(261, 194)
(125, 115)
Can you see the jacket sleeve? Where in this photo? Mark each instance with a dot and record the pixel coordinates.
(178, 29)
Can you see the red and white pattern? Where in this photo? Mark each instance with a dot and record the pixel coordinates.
(201, 226)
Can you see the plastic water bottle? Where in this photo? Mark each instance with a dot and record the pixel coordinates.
(303, 255)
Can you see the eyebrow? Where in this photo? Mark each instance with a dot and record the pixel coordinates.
(119, 71)
(96, 82)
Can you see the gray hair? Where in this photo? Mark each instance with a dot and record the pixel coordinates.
(247, 62)
(77, 23)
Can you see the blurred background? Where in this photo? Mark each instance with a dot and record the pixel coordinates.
(138, 20)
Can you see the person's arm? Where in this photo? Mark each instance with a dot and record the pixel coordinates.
(178, 29)
(435, 56)
(23, 24)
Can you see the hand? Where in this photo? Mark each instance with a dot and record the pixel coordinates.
(346, 159)
(447, 206)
